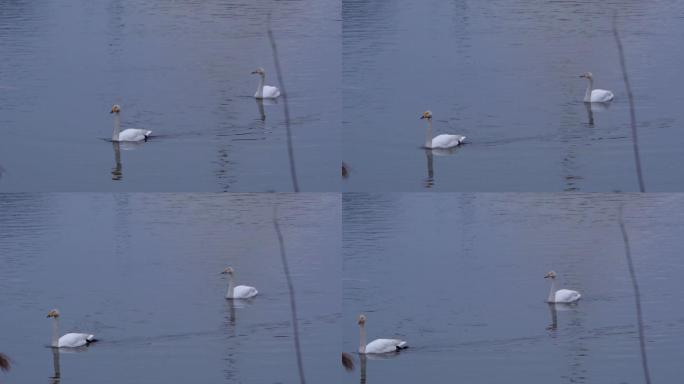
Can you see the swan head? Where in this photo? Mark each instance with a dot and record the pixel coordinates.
(259, 71)
(550, 275)
(54, 313)
(361, 320)
(426, 115)
(115, 108)
(587, 75)
(228, 271)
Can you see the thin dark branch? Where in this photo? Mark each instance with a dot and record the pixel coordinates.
(637, 298)
(630, 97)
(281, 80)
(293, 301)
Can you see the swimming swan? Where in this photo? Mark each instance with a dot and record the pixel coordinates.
(130, 134)
(440, 141)
(70, 340)
(377, 345)
(560, 295)
(264, 91)
(595, 95)
(239, 292)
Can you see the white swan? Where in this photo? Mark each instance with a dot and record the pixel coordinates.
(70, 340)
(264, 91)
(239, 292)
(130, 134)
(377, 345)
(595, 95)
(560, 295)
(440, 141)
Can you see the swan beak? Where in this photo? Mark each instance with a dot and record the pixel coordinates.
(110, 112)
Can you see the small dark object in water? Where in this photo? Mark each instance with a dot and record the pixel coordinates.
(345, 170)
(347, 361)
(4, 362)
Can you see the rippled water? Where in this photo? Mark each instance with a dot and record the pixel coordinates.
(505, 74)
(181, 69)
(141, 271)
(460, 276)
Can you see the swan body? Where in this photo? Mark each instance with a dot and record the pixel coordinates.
(240, 291)
(447, 141)
(73, 340)
(70, 340)
(377, 345)
(440, 141)
(560, 295)
(130, 134)
(595, 95)
(264, 91)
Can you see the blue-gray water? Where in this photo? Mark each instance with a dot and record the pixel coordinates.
(142, 272)
(181, 69)
(505, 74)
(460, 277)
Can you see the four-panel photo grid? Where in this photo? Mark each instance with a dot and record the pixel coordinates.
(341, 191)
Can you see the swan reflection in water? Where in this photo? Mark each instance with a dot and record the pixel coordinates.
(117, 171)
(117, 174)
(558, 307)
(260, 106)
(56, 370)
(348, 362)
(595, 107)
(429, 181)
(56, 374)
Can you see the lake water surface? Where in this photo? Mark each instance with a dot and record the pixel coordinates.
(142, 272)
(181, 69)
(505, 74)
(460, 277)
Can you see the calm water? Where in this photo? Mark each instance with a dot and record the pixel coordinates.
(505, 74)
(460, 276)
(141, 271)
(181, 69)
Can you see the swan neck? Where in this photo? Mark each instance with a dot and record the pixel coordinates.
(231, 287)
(117, 127)
(590, 87)
(552, 292)
(428, 135)
(260, 89)
(362, 339)
(55, 332)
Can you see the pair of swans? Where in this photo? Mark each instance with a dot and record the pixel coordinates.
(75, 340)
(450, 141)
(136, 134)
(379, 346)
